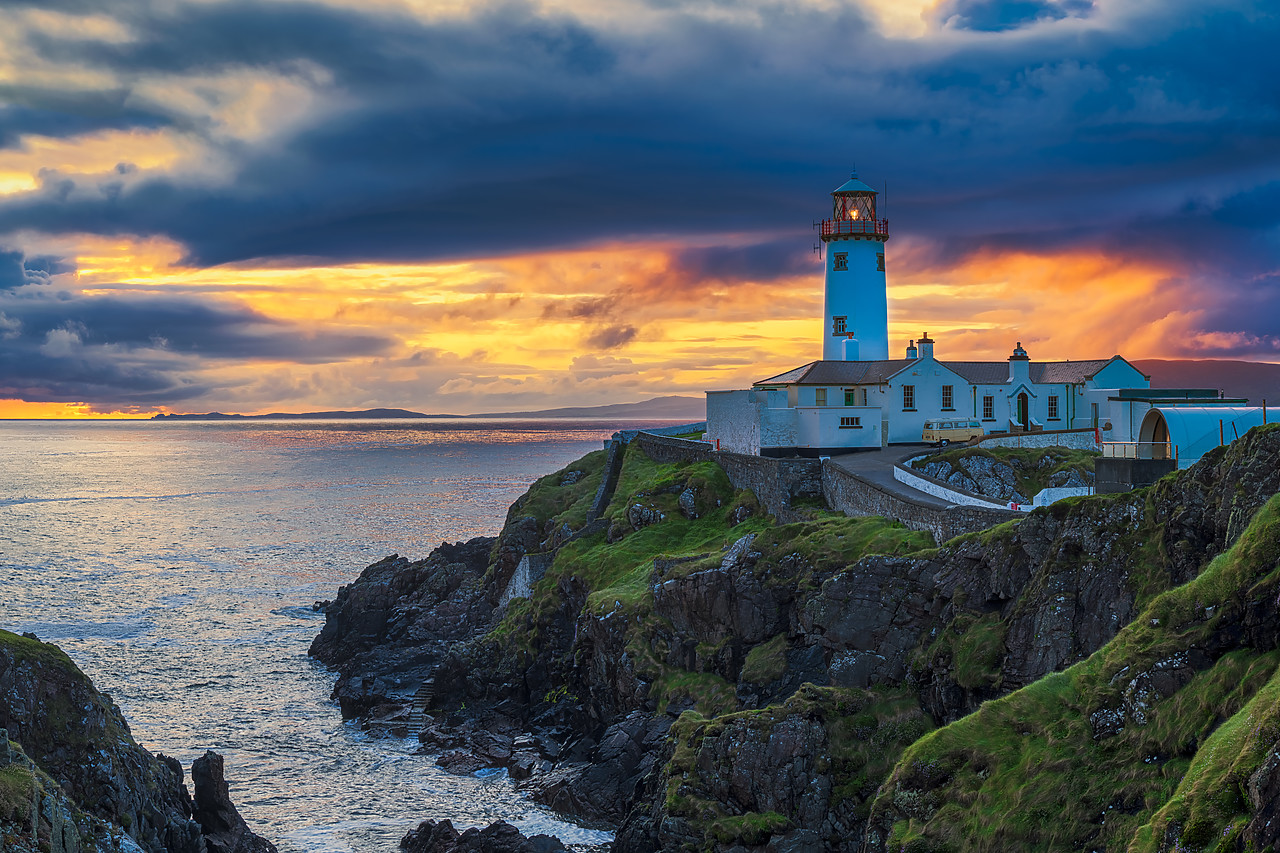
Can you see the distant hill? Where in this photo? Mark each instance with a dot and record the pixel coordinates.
(659, 408)
(1257, 381)
(302, 416)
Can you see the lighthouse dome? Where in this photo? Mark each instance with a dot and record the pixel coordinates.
(853, 185)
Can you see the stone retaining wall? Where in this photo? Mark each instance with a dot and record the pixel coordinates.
(853, 495)
(922, 482)
(777, 483)
(1076, 439)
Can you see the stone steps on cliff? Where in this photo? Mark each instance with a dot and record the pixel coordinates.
(418, 708)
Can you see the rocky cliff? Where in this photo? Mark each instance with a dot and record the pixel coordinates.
(72, 777)
(700, 675)
(1009, 473)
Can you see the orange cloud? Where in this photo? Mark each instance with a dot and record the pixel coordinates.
(620, 322)
(1062, 305)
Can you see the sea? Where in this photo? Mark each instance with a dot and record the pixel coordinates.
(177, 563)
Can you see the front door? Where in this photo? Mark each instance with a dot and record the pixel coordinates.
(1023, 418)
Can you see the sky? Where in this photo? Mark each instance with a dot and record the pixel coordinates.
(282, 205)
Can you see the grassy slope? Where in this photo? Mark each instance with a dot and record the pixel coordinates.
(1026, 772)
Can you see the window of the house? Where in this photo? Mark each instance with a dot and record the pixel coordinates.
(819, 396)
(839, 260)
(948, 397)
(908, 398)
(988, 408)
(1053, 408)
(839, 325)
(851, 423)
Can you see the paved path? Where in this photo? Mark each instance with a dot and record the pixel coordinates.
(876, 466)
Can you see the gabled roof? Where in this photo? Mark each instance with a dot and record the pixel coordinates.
(840, 373)
(1062, 372)
(973, 372)
(981, 372)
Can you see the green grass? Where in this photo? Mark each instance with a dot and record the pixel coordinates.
(766, 662)
(34, 651)
(16, 784)
(547, 499)
(751, 828)
(1025, 771)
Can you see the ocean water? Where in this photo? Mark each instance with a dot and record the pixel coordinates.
(177, 563)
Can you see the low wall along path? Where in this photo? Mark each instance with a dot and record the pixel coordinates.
(777, 482)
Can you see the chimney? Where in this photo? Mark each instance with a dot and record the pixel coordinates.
(926, 346)
(912, 353)
(1019, 366)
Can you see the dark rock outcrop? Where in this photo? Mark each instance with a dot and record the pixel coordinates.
(224, 829)
(498, 837)
(78, 737)
(386, 632)
(91, 782)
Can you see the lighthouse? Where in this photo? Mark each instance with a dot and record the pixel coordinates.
(856, 303)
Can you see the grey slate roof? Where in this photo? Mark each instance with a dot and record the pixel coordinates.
(839, 373)
(974, 372)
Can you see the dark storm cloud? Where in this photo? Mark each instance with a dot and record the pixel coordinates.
(67, 348)
(756, 262)
(16, 270)
(611, 337)
(512, 131)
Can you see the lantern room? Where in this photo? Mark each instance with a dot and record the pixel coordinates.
(853, 211)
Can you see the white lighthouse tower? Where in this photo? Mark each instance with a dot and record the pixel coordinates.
(856, 305)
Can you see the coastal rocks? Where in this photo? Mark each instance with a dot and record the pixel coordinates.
(224, 829)
(91, 785)
(79, 738)
(498, 837)
(34, 811)
(386, 632)
(604, 786)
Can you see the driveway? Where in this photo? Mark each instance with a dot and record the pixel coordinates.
(876, 466)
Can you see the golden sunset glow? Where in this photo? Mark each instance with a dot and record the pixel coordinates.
(525, 325)
(20, 409)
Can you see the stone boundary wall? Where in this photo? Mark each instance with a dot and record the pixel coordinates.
(662, 448)
(853, 495)
(1076, 439)
(1047, 496)
(629, 435)
(609, 482)
(775, 482)
(778, 482)
(932, 486)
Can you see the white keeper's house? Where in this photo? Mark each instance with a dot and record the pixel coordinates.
(857, 397)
